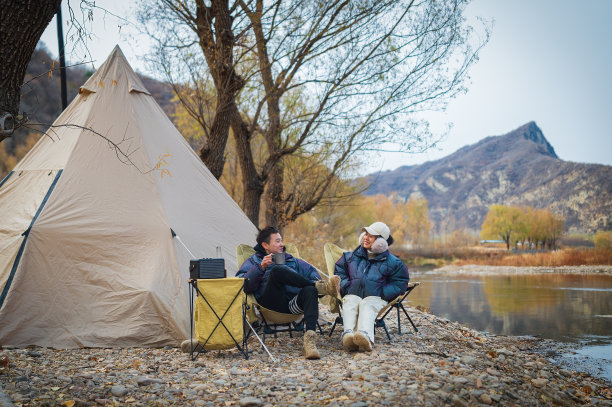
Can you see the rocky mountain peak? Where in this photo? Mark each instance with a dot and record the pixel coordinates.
(517, 168)
(532, 132)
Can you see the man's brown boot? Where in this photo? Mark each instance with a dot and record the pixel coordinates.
(329, 287)
(310, 345)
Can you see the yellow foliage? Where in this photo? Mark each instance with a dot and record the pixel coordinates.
(603, 239)
(519, 224)
(9, 160)
(341, 224)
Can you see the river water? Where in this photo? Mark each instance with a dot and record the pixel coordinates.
(575, 309)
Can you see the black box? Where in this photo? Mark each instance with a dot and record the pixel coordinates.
(207, 268)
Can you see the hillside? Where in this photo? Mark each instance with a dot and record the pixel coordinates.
(518, 168)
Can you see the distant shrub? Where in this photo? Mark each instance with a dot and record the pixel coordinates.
(603, 239)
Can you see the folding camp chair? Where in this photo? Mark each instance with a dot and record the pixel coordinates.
(273, 322)
(332, 255)
(219, 319)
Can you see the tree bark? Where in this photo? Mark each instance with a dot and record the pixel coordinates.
(21, 25)
(274, 197)
(214, 29)
(253, 185)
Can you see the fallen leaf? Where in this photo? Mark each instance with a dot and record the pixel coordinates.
(55, 388)
(69, 403)
(586, 389)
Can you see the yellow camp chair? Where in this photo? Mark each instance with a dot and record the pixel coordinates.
(332, 255)
(273, 321)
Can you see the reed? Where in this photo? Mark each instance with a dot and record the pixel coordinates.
(556, 258)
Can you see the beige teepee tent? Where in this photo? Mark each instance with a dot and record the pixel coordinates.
(87, 257)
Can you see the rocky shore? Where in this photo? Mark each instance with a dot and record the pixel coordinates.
(443, 364)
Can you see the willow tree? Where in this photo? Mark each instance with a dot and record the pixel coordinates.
(327, 81)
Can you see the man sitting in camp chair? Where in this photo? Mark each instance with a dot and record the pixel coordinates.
(292, 287)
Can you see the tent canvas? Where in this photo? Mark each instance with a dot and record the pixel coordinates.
(87, 257)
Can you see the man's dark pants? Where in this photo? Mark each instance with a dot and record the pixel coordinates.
(274, 296)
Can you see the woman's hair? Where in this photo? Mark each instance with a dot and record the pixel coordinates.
(390, 240)
(265, 233)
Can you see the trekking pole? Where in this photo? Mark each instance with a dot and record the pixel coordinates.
(260, 341)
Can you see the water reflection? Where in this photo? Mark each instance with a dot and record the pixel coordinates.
(557, 306)
(564, 307)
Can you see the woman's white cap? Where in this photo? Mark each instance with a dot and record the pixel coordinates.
(378, 229)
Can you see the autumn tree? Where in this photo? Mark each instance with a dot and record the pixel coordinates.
(603, 239)
(523, 224)
(502, 222)
(324, 81)
(552, 226)
(411, 220)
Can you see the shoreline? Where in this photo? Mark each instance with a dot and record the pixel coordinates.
(483, 269)
(445, 363)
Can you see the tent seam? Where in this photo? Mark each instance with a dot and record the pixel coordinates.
(7, 286)
(6, 178)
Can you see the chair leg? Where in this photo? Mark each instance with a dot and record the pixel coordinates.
(381, 322)
(337, 321)
(407, 316)
(399, 322)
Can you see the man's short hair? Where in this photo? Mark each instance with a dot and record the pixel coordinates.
(265, 233)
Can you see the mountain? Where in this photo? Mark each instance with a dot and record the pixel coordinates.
(518, 168)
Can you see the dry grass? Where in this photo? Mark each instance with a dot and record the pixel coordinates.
(564, 257)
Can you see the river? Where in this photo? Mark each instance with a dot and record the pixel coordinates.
(574, 309)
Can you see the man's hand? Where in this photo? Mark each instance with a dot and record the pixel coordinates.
(267, 260)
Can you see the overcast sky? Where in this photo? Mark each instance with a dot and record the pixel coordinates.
(548, 61)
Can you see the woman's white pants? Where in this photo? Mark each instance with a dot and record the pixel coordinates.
(360, 313)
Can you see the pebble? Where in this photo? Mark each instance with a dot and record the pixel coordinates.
(118, 391)
(539, 382)
(250, 402)
(145, 381)
(433, 367)
(468, 360)
(485, 398)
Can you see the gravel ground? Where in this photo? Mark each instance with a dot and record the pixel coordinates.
(443, 364)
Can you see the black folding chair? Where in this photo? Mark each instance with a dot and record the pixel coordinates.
(382, 314)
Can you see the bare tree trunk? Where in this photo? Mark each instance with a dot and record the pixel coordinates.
(20, 29)
(253, 186)
(212, 152)
(274, 197)
(217, 41)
